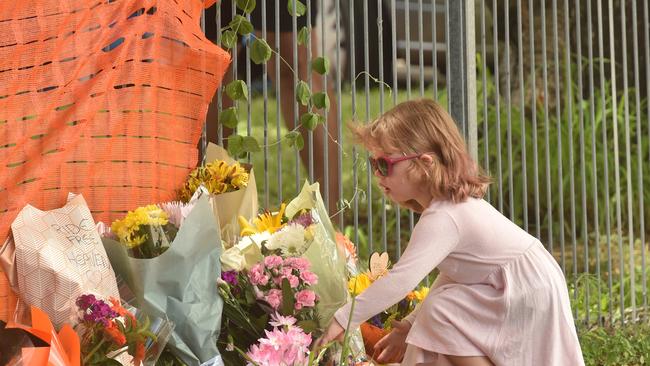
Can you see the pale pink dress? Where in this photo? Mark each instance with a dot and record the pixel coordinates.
(499, 294)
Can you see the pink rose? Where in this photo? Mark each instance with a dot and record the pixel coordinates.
(306, 298)
(309, 278)
(274, 298)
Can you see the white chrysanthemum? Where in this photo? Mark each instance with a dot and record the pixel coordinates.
(290, 240)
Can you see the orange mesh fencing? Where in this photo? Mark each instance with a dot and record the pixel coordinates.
(101, 97)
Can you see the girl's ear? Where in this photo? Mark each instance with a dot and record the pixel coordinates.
(426, 158)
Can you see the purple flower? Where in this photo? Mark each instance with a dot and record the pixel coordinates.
(376, 321)
(230, 277)
(304, 220)
(95, 310)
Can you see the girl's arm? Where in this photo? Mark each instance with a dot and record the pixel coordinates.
(433, 238)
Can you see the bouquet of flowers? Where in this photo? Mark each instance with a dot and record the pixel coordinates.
(160, 249)
(380, 325)
(110, 332)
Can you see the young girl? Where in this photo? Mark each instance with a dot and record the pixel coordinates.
(500, 297)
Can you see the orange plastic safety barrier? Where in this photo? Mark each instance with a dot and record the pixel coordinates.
(101, 97)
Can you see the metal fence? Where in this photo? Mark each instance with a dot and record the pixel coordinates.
(552, 97)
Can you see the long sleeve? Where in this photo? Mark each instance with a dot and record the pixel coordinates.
(434, 237)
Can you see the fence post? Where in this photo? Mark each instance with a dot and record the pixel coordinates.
(461, 69)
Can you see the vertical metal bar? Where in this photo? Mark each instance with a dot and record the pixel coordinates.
(366, 63)
(265, 95)
(421, 50)
(339, 116)
(646, 27)
(407, 34)
(310, 133)
(204, 139)
(558, 116)
(569, 121)
(249, 39)
(533, 88)
(594, 165)
(355, 152)
(583, 163)
(220, 89)
(326, 172)
(234, 64)
(461, 80)
(497, 101)
(486, 134)
(628, 165)
(522, 117)
(380, 47)
(296, 77)
(617, 181)
(398, 241)
(603, 106)
(547, 139)
(511, 188)
(278, 98)
(434, 55)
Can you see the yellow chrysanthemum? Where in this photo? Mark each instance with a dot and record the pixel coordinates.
(418, 295)
(358, 284)
(267, 221)
(128, 228)
(217, 176)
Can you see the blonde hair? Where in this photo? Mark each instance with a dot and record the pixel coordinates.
(423, 126)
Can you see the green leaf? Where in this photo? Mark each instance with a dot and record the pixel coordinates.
(303, 35)
(260, 51)
(237, 90)
(321, 65)
(246, 5)
(309, 326)
(302, 93)
(241, 25)
(288, 301)
(250, 144)
(300, 143)
(228, 39)
(321, 100)
(300, 8)
(311, 120)
(235, 145)
(228, 117)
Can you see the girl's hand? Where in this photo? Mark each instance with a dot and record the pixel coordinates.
(334, 332)
(391, 347)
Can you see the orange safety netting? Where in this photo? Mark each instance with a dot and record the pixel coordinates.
(101, 97)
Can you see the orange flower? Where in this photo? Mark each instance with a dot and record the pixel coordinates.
(347, 245)
(114, 333)
(139, 354)
(117, 307)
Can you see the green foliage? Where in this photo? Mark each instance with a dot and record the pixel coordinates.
(321, 65)
(626, 346)
(228, 39)
(246, 5)
(311, 120)
(241, 25)
(321, 100)
(260, 51)
(303, 35)
(299, 10)
(237, 90)
(228, 117)
(303, 94)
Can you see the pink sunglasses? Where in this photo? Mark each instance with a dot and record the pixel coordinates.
(384, 164)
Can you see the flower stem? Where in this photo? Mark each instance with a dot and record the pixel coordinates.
(92, 352)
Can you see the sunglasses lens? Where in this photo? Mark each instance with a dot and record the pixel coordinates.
(382, 166)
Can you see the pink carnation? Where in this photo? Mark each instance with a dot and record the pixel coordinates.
(257, 275)
(298, 263)
(273, 261)
(309, 278)
(305, 298)
(274, 298)
(294, 281)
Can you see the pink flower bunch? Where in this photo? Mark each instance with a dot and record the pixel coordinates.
(268, 275)
(285, 345)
